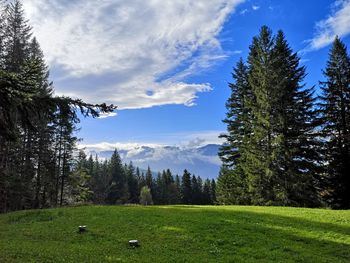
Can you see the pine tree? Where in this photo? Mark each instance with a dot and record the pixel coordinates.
(230, 187)
(102, 184)
(213, 191)
(169, 188)
(78, 185)
(158, 190)
(177, 185)
(118, 192)
(206, 193)
(296, 161)
(132, 184)
(18, 35)
(257, 165)
(3, 11)
(149, 178)
(186, 188)
(36, 128)
(335, 109)
(271, 152)
(237, 117)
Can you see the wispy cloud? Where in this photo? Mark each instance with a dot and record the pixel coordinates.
(244, 11)
(118, 51)
(236, 52)
(106, 115)
(337, 23)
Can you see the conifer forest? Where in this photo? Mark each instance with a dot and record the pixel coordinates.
(286, 144)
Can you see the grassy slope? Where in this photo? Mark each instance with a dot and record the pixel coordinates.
(176, 234)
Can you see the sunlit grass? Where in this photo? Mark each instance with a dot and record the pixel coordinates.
(176, 234)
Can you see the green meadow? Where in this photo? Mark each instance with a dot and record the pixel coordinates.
(176, 234)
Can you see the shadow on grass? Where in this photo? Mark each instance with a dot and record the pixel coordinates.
(262, 236)
(255, 217)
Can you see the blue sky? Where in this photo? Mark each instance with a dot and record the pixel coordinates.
(166, 64)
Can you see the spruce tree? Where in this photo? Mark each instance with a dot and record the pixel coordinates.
(258, 161)
(195, 191)
(186, 188)
(206, 198)
(335, 109)
(213, 192)
(18, 35)
(296, 157)
(132, 184)
(271, 122)
(237, 117)
(231, 187)
(118, 189)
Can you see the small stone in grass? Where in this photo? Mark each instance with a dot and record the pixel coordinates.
(82, 229)
(134, 243)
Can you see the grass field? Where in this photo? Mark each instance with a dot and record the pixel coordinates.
(176, 234)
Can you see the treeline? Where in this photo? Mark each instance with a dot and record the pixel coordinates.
(37, 139)
(285, 145)
(111, 182)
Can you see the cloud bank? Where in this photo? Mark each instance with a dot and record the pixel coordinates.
(181, 140)
(338, 23)
(198, 158)
(135, 54)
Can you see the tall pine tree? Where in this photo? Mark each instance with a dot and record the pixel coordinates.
(335, 108)
(270, 155)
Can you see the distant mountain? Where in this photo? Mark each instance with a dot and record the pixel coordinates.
(202, 161)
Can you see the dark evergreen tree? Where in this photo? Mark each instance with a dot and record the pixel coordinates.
(78, 184)
(196, 187)
(271, 152)
(118, 192)
(231, 187)
(297, 161)
(36, 128)
(335, 110)
(158, 190)
(150, 182)
(237, 116)
(132, 184)
(206, 198)
(186, 188)
(257, 165)
(213, 194)
(18, 35)
(3, 11)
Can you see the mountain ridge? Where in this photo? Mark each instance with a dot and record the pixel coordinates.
(200, 160)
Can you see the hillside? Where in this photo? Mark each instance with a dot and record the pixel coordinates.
(176, 234)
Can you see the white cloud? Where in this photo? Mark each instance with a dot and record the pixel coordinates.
(129, 52)
(200, 138)
(255, 7)
(338, 23)
(244, 11)
(106, 115)
(236, 52)
(177, 139)
(197, 155)
(107, 146)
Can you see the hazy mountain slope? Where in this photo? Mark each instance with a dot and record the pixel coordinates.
(202, 161)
